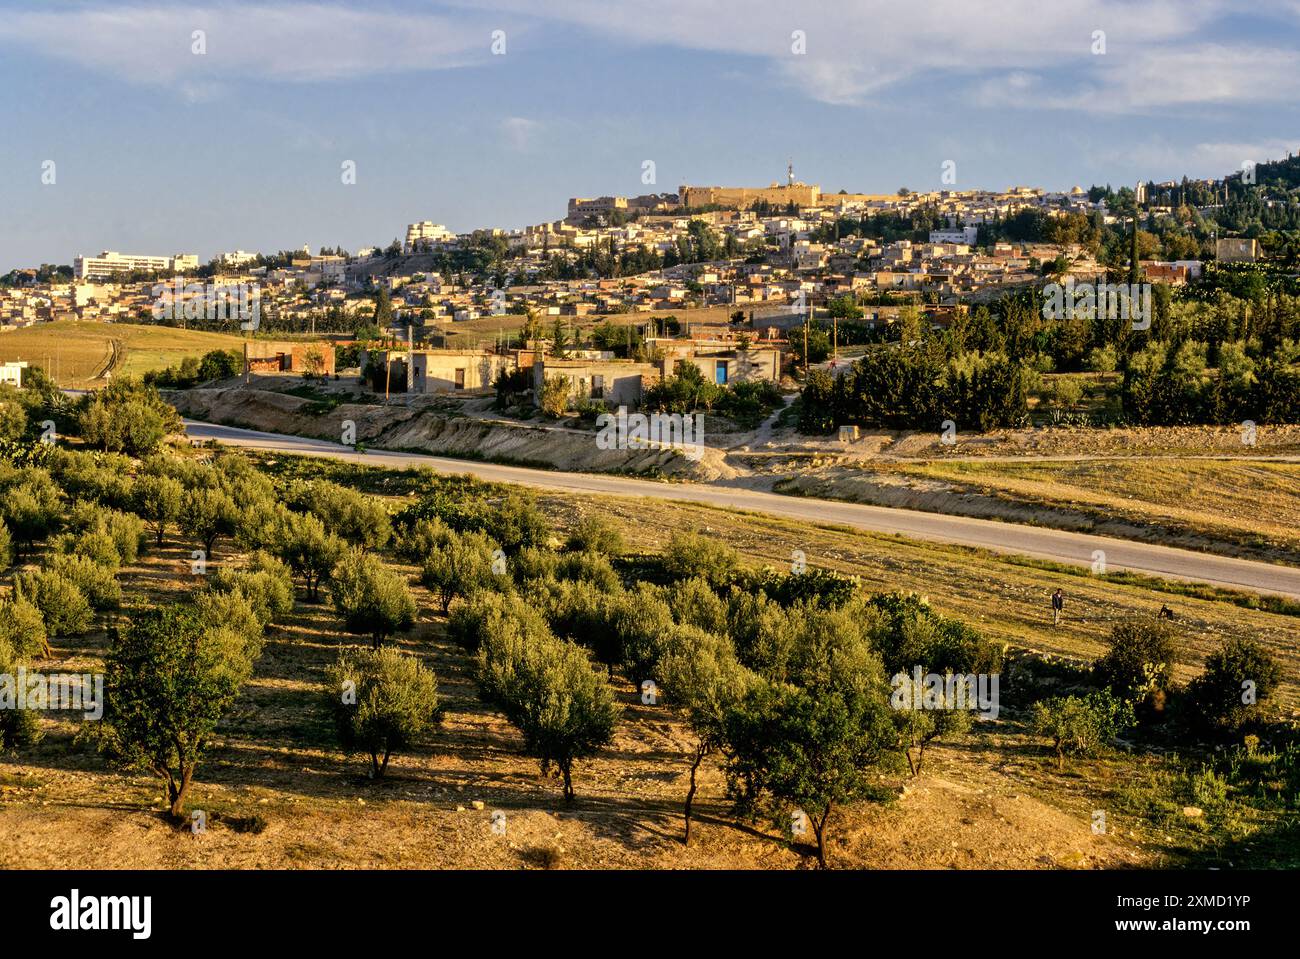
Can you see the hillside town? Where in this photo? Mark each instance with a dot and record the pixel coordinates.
(761, 250)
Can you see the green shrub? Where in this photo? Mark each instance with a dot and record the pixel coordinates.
(693, 554)
(1139, 665)
(596, 534)
(1079, 725)
(1238, 677)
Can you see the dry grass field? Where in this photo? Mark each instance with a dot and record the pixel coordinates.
(77, 354)
(279, 793)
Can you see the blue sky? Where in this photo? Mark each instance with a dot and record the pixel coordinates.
(158, 149)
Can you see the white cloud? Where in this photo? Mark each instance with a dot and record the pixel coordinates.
(520, 133)
(297, 42)
(1033, 53)
(1162, 160)
(857, 50)
(1151, 81)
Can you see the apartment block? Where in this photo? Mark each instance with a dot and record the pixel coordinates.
(110, 263)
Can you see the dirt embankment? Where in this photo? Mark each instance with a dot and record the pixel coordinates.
(857, 484)
(416, 429)
(938, 496)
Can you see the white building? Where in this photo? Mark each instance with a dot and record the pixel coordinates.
(12, 372)
(110, 263)
(236, 259)
(965, 234)
(426, 233)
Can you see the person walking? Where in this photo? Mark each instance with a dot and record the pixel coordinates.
(1058, 604)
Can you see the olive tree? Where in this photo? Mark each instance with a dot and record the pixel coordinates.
(64, 607)
(127, 416)
(597, 534)
(373, 601)
(815, 740)
(32, 508)
(920, 723)
(168, 681)
(158, 502)
(22, 627)
(361, 520)
(19, 728)
(694, 554)
(549, 691)
(311, 552)
(381, 700)
(208, 514)
(265, 583)
(700, 672)
(1139, 666)
(461, 564)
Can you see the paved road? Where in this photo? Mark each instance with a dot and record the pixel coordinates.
(1058, 545)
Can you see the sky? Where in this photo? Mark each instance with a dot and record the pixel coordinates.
(159, 128)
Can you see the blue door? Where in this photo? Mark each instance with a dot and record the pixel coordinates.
(720, 373)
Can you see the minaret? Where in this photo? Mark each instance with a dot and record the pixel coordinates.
(789, 172)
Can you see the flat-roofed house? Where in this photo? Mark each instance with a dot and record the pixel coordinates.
(269, 356)
(614, 382)
(721, 362)
(453, 371)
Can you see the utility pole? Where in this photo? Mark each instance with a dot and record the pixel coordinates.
(805, 342)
